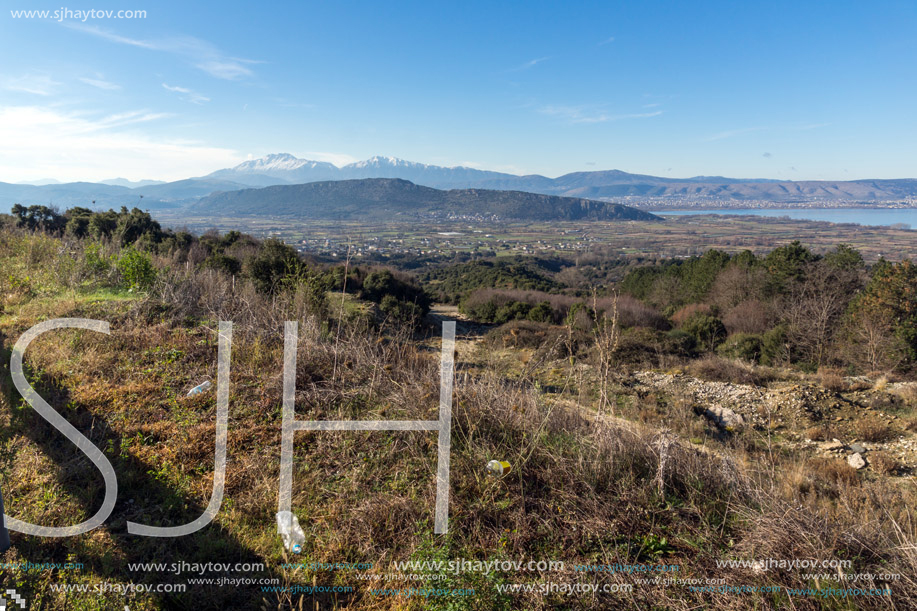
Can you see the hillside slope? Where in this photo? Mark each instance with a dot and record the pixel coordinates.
(384, 198)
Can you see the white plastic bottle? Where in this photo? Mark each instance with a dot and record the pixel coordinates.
(200, 388)
(290, 531)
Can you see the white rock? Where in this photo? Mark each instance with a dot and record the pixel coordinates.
(724, 417)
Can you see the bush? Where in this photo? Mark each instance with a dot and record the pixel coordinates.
(541, 312)
(831, 379)
(223, 263)
(634, 313)
(136, 269)
(580, 317)
(773, 346)
(743, 346)
(873, 431)
(522, 334)
(97, 263)
(515, 310)
(273, 262)
(680, 343)
(383, 283)
(717, 369)
(682, 315)
(707, 330)
(884, 463)
(400, 311)
(751, 316)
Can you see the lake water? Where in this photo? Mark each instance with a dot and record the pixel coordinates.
(860, 216)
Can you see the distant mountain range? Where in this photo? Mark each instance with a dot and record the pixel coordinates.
(394, 198)
(609, 185)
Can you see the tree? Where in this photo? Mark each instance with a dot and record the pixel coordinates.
(738, 283)
(871, 341)
(815, 306)
(274, 261)
(845, 256)
(891, 296)
(786, 264)
(78, 222)
(136, 224)
(38, 218)
(102, 225)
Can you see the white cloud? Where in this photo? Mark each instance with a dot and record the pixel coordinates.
(607, 41)
(41, 142)
(37, 84)
(199, 53)
(191, 96)
(592, 114)
(101, 83)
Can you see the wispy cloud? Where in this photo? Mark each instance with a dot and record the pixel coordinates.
(587, 114)
(43, 141)
(606, 41)
(36, 84)
(732, 133)
(199, 53)
(100, 83)
(809, 126)
(191, 96)
(530, 64)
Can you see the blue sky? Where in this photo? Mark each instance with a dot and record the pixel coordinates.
(791, 90)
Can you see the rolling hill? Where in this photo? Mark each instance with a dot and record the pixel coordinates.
(386, 198)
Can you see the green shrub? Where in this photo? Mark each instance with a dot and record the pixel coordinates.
(95, 259)
(744, 346)
(707, 330)
(541, 312)
(400, 311)
(224, 263)
(773, 346)
(514, 310)
(136, 269)
(681, 343)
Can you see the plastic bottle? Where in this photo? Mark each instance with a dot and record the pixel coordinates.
(498, 467)
(290, 531)
(200, 388)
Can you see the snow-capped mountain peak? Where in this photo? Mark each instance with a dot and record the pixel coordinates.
(380, 161)
(283, 168)
(278, 162)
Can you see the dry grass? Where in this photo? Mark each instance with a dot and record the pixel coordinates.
(867, 430)
(719, 369)
(822, 432)
(834, 471)
(832, 380)
(884, 463)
